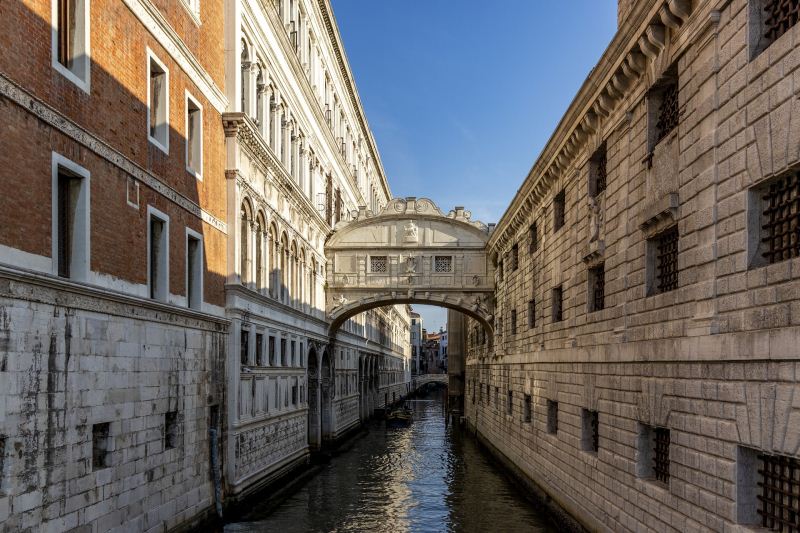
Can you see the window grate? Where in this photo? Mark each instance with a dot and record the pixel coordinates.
(534, 238)
(668, 112)
(442, 264)
(600, 174)
(781, 220)
(558, 304)
(661, 455)
(779, 501)
(378, 264)
(667, 256)
(781, 15)
(598, 287)
(594, 422)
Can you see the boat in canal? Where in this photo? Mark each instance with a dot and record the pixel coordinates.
(399, 417)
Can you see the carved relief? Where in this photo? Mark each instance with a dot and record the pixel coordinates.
(410, 232)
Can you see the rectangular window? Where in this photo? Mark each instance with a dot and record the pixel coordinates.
(378, 264)
(663, 109)
(442, 264)
(496, 396)
(194, 270)
(597, 288)
(653, 453)
(532, 314)
(2, 463)
(157, 102)
(590, 431)
(510, 403)
(271, 350)
(70, 41)
(558, 304)
(559, 211)
(244, 346)
(662, 255)
(101, 446)
(779, 501)
(597, 171)
(778, 219)
(294, 393)
(527, 412)
(533, 237)
(293, 346)
(194, 137)
(260, 349)
(513, 321)
(283, 353)
(70, 223)
(500, 271)
(769, 20)
(158, 252)
(171, 433)
(514, 257)
(552, 417)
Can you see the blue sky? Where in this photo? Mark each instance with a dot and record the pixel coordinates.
(463, 95)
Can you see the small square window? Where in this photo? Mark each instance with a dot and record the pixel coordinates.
(442, 264)
(552, 417)
(653, 453)
(590, 430)
(378, 264)
(662, 259)
(775, 220)
(101, 445)
(558, 303)
(559, 211)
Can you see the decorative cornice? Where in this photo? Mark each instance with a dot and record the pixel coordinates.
(53, 118)
(152, 19)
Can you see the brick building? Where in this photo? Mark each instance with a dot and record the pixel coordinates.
(643, 370)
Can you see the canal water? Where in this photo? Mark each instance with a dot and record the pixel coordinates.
(424, 478)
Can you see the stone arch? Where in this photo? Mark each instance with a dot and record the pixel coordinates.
(246, 222)
(260, 250)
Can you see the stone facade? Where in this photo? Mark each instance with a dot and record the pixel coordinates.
(642, 377)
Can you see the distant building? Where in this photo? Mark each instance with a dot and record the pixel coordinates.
(416, 342)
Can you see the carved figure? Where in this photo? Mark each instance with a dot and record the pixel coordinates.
(595, 219)
(476, 280)
(411, 232)
(411, 265)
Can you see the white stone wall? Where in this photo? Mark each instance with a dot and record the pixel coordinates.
(715, 361)
(73, 357)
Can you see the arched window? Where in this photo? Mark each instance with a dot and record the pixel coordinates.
(259, 111)
(274, 262)
(293, 293)
(312, 283)
(284, 268)
(301, 279)
(244, 242)
(246, 75)
(260, 238)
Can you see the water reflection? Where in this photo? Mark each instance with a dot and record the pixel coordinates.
(425, 478)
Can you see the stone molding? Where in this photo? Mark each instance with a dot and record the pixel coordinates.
(58, 121)
(659, 214)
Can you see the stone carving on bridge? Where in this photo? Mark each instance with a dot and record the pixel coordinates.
(454, 240)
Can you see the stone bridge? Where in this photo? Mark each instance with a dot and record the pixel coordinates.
(410, 252)
(423, 379)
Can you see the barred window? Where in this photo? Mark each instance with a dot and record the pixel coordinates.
(779, 492)
(661, 454)
(378, 264)
(559, 211)
(552, 417)
(597, 287)
(597, 171)
(778, 17)
(510, 403)
(780, 218)
(668, 112)
(513, 321)
(532, 314)
(514, 257)
(558, 304)
(666, 248)
(527, 407)
(534, 238)
(442, 264)
(590, 435)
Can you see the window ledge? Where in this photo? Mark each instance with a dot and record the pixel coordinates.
(82, 84)
(157, 144)
(192, 13)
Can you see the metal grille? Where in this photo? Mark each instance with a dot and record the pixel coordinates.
(781, 220)
(558, 304)
(378, 264)
(779, 501)
(780, 16)
(661, 454)
(559, 211)
(598, 287)
(514, 257)
(442, 263)
(513, 321)
(600, 170)
(668, 113)
(534, 243)
(594, 426)
(667, 257)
